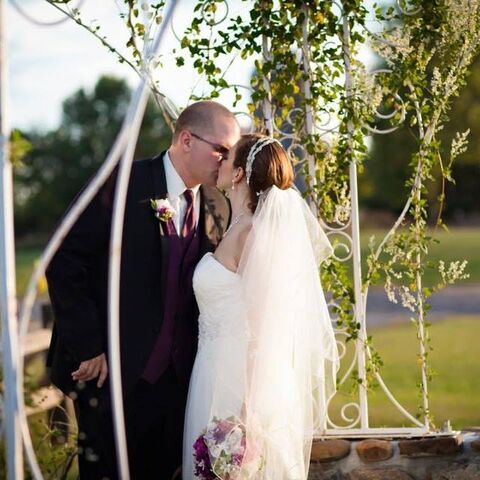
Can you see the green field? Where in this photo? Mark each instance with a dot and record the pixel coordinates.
(25, 257)
(455, 391)
(455, 388)
(457, 244)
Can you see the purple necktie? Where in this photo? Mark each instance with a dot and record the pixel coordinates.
(189, 219)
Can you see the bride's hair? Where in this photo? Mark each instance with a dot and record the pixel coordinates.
(271, 166)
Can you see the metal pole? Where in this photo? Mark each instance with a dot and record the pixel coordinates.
(267, 102)
(357, 266)
(134, 120)
(267, 106)
(309, 116)
(8, 300)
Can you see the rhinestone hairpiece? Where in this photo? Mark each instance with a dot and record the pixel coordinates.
(256, 147)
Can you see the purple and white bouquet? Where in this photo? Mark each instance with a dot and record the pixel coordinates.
(221, 451)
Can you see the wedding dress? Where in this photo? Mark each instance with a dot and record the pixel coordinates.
(267, 357)
(222, 344)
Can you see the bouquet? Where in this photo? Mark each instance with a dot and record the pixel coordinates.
(221, 451)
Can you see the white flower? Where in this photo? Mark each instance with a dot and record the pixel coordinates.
(215, 450)
(233, 440)
(455, 271)
(163, 209)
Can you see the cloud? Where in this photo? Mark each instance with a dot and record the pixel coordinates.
(47, 64)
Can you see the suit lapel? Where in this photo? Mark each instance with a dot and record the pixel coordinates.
(159, 192)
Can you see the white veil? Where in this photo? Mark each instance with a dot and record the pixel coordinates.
(291, 358)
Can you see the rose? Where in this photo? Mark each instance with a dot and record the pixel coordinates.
(233, 441)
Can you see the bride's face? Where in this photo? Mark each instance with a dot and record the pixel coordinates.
(226, 172)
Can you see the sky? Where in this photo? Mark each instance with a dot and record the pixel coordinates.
(47, 64)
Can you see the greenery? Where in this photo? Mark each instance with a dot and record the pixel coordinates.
(302, 49)
(382, 184)
(58, 163)
(452, 244)
(25, 258)
(53, 432)
(455, 389)
(307, 68)
(57, 459)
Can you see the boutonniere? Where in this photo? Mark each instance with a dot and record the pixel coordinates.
(163, 209)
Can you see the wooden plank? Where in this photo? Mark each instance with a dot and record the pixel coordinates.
(37, 341)
(44, 399)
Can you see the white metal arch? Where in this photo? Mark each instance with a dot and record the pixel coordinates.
(14, 415)
(14, 418)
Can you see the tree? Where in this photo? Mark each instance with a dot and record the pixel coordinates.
(61, 161)
(382, 184)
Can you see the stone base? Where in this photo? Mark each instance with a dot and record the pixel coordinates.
(441, 458)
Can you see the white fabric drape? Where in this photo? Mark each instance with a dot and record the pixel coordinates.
(291, 358)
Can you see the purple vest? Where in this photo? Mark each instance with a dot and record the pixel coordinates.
(177, 341)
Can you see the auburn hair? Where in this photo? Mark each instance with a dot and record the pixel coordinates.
(271, 166)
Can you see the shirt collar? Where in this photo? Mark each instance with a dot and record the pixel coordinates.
(175, 184)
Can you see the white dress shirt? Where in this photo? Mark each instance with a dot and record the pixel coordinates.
(175, 189)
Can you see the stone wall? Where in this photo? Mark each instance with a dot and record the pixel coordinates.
(455, 457)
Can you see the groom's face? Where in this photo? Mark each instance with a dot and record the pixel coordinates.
(211, 148)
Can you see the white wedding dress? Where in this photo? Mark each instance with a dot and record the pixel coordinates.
(222, 341)
(267, 354)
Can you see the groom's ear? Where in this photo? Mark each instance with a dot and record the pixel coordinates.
(184, 140)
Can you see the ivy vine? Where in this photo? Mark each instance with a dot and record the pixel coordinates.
(311, 89)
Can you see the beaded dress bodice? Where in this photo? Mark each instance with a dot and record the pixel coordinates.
(219, 297)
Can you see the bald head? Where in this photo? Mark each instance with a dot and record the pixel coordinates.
(202, 118)
(204, 133)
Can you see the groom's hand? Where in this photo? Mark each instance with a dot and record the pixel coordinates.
(93, 368)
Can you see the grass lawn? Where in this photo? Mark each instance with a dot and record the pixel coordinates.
(458, 244)
(25, 257)
(454, 392)
(455, 388)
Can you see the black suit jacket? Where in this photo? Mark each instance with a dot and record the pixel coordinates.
(78, 274)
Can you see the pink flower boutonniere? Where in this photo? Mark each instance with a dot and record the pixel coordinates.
(163, 209)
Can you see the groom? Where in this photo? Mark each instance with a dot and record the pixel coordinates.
(158, 313)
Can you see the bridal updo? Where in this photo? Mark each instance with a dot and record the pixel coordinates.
(271, 166)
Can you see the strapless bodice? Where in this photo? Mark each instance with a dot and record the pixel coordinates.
(220, 302)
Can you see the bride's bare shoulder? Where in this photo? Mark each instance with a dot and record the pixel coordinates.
(241, 238)
(231, 247)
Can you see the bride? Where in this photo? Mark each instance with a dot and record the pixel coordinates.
(267, 357)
